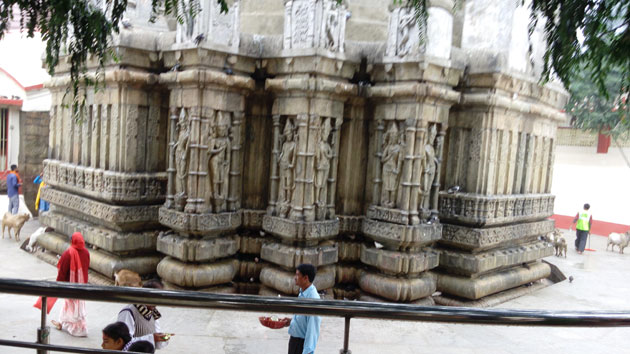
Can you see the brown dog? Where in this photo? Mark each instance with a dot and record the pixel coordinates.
(14, 222)
(126, 277)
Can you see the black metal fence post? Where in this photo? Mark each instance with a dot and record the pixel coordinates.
(43, 332)
(346, 337)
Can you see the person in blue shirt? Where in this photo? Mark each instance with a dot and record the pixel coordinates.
(13, 186)
(304, 330)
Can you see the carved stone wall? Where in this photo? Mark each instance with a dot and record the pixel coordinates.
(416, 160)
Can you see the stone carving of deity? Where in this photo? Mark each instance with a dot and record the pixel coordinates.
(430, 167)
(219, 150)
(323, 154)
(287, 160)
(406, 23)
(301, 23)
(182, 148)
(391, 161)
(330, 33)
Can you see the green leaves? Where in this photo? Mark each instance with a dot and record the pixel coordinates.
(605, 45)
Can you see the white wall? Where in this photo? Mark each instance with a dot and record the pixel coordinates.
(14, 137)
(603, 180)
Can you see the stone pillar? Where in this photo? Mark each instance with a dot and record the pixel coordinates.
(104, 175)
(500, 139)
(410, 117)
(310, 89)
(208, 155)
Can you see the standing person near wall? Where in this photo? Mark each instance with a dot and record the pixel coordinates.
(13, 189)
(584, 221)
(40, 204)
(304, 330)
(73, 267)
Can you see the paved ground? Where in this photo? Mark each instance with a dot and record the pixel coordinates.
(601, 283)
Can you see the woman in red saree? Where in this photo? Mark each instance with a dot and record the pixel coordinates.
(73, 267)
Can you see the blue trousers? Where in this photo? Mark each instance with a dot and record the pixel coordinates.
(14, 204)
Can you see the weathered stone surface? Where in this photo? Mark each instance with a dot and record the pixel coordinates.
(197, 275)
(492, 283)
(111, 241)
(487, 238)
(346, 273)
(464, 263)
(106, 186)
(400, 263)
(309, 232)
(401, 237)
(395, 216)
(119, 218)
(100, 261)
(290, 257)
(253, 219)
(349, 251)
(249, 243)
(397, 289)
(284, 282)
(481, 210)
(34, 132)
(191, 250)
(250, 270)
(350, 224)
(201, 224)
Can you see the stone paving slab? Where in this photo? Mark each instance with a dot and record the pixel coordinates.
(600, 283)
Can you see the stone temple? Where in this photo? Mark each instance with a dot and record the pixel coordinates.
(225, 150)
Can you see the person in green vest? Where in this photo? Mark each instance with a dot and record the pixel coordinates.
(584, 221)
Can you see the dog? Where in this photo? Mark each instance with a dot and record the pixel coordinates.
(14, 222)
(126, 277)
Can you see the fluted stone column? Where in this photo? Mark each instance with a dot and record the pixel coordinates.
(105, 173)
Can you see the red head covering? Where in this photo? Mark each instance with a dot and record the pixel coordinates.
(76, 268)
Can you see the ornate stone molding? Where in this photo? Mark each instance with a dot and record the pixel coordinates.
(312, 85)
(104, 185)
(301, 231)
(197, 275)
(99, 236)
(208, 224)
(401, 237)
(420, 91)
(204, 77)
(474, 265)
(480, 210)
(397, 289)
(399, 263)
(197, 250)
(290, 257)
(350, 224)
(547, 95)
(119, 218)
(487, 238)
(492, 283)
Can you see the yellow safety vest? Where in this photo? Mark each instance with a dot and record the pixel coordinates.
(583, 221)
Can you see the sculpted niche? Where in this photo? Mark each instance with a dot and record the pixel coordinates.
(286, 162)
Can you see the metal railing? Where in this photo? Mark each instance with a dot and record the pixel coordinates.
(335, 308)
